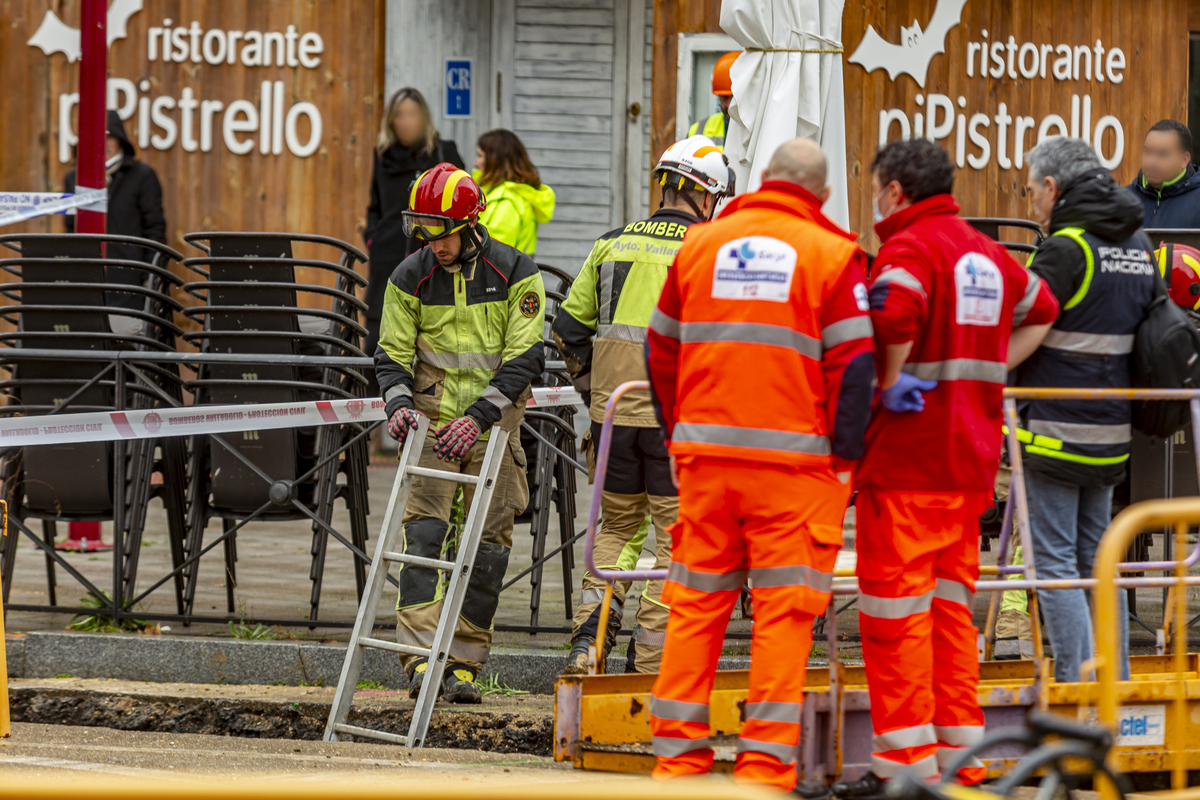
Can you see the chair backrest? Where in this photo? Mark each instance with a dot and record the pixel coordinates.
(251, 307)
(991, 226)
(63, 302)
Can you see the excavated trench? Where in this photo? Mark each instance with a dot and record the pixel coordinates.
(498, 731)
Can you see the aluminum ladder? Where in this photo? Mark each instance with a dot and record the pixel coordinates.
(385, 554)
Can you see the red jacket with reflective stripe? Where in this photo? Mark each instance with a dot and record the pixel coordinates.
(760, 347)
(957, 295)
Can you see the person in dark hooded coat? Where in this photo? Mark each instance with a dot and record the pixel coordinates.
(135, 208)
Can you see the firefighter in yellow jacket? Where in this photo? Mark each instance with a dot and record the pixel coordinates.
(460, 343)
(722, 86)
(601, 330)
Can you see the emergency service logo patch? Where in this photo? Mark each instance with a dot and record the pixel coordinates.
(531, 304)
(978, 290)
(754, 268)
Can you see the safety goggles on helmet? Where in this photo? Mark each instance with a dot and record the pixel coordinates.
(430, 227)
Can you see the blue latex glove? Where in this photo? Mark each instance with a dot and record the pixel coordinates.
(905, 394)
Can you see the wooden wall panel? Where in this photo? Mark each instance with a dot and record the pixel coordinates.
(324, 193)
(1155, 45)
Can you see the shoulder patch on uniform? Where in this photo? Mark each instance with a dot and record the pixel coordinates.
(531, 304)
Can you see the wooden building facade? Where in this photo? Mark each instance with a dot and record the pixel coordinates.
(263, 115)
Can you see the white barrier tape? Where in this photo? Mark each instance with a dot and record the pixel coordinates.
(21, 201)
(87, 198)
(108, 426)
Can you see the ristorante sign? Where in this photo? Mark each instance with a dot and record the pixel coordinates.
(272, 124)
(1003, 132)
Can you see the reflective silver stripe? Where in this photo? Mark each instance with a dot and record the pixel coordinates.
(496, 398)
(608, 272)
(901, 738)
(1082, 432)
(785, 753)
(678, 710)
(945, 755)
(750, 333)
(798, 575)
(894, 607)
(846, 330)
(460, 360)
(900, 277)
(664, 325)
(1105, 344)
(754, 438)
(596, 597)
(960, 369)
(954, 592)
(397, 391)
(706, 581)
(958, 735)
(1025, 304)
(670, 747)
(626, 333)
(887, 769)
(458, 649)
(770, 711)
(648, 637)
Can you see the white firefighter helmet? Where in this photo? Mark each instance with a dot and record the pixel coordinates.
(696, 162)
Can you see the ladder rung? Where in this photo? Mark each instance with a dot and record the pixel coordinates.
(418, 561)
(443, 475)
(407, 649)
(394, 738)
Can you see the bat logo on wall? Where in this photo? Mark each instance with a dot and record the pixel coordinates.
(916, 49)
(56, 36)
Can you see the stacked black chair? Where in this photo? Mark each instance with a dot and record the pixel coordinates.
(991, 227)
(250, 295)
(552, 478)
(66, 299)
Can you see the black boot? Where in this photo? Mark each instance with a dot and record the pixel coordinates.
(868, 787)
(811, 791)
(577, 661)
(417, 678)
(459, 686)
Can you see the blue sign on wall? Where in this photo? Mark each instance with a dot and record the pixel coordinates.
(458, 87)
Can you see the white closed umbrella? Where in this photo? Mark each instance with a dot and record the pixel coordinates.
(787, 83)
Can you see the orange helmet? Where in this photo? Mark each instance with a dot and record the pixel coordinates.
(722, 85)
(1184, 279)
(442, 201)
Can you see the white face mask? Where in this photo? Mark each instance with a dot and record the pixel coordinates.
(875, 207)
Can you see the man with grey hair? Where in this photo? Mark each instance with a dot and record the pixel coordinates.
(1099, 264)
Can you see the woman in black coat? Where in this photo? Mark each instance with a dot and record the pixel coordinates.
(408, 145)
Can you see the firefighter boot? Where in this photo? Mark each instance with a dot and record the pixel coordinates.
(868, 787)
(577, 661)
(459, 686)
(417, 678)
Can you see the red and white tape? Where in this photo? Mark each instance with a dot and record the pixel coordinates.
(107, 426)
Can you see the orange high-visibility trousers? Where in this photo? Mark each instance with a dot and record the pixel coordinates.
(918, 560)
(781, 528)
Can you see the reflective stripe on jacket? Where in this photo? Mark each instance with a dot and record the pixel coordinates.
(461, 343)
(1089, 347)
(760, 347)
(714, 128)
(611, 300)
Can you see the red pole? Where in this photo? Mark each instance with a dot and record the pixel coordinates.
(89, 168)
(93, 77)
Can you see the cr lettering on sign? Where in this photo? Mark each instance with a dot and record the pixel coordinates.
(458, 88)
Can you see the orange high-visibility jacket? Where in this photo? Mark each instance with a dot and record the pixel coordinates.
(760, 347)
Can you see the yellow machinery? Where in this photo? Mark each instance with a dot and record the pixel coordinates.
(601, 721)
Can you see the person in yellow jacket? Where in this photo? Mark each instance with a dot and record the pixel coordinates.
(601, 332)
(722, 87)
(517, 200)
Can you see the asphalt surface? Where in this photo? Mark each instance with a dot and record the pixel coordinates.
(63, 750)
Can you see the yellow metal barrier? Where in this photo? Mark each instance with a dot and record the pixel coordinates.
(1180, 514)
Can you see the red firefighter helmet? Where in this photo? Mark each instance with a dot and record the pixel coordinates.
(442, 201)
(1185, 274)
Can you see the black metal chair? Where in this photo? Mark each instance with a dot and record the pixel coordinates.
(551, 477)
(250, 295)
(67, 299)
(990, 227)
